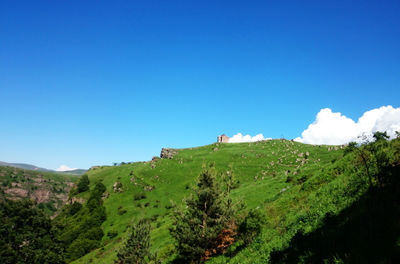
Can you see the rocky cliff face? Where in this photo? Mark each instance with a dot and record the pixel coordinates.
(48, 190)
(168, 153)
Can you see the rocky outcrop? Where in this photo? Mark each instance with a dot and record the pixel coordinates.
(41, 195)
(168, 153)
(117, 187)
(43, 188)
(18, 192)
(148, 188)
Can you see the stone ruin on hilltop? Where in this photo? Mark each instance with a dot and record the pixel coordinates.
(168, 153)
(223, 139)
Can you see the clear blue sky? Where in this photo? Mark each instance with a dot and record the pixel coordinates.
(95, 82)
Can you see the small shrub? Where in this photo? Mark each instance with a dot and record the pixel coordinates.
(139, 196)
(251, 226)
(112, 234)
(121, 211)
(289, 179)
(74, 208)
(154, 217)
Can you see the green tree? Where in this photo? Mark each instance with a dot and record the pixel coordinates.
(26, 235)
(137, 247)
(83, 184)
(80, 231)
(383, 158)
(377, 157)
(251, 226)
(196, 230)
(378, 136)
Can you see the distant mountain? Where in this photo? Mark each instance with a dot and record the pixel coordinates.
(73, 172)
(35, 168)
(23, 166)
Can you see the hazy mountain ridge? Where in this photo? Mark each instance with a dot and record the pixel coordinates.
(23, 166)
(36, 168)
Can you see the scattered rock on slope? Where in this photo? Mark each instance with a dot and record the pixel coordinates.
(168, 153)
(117, 187)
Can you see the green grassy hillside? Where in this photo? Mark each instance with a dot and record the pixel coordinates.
(269, 174)
(327, 204)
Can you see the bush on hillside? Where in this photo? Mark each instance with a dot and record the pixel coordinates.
(83, 184)
(139, 196)
(251, 226)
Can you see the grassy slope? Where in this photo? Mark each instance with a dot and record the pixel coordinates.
(260, 167)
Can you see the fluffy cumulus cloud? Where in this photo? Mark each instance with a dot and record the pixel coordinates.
(334, 128)
(238, 138)
(65, 168)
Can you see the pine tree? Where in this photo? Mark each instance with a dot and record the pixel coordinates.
(196, 230)
(137, 248)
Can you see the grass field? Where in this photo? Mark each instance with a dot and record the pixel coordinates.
(269, 174)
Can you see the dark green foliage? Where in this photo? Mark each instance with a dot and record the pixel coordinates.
(112, 234)
(378, 136)
(121, 210)
(74, 208)
(137, 247)
(78, 227)
(49, 206)
(251, 226)
(95, 196)
(196, 230)
(26, 235)
(169, 206)
(83, 184)
(139, 196)
(350, 148)
(80, 247)
(377, 158)
(368, 230)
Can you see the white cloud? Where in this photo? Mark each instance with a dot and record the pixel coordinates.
(65, 168)
(247, 138)
(334, 128)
